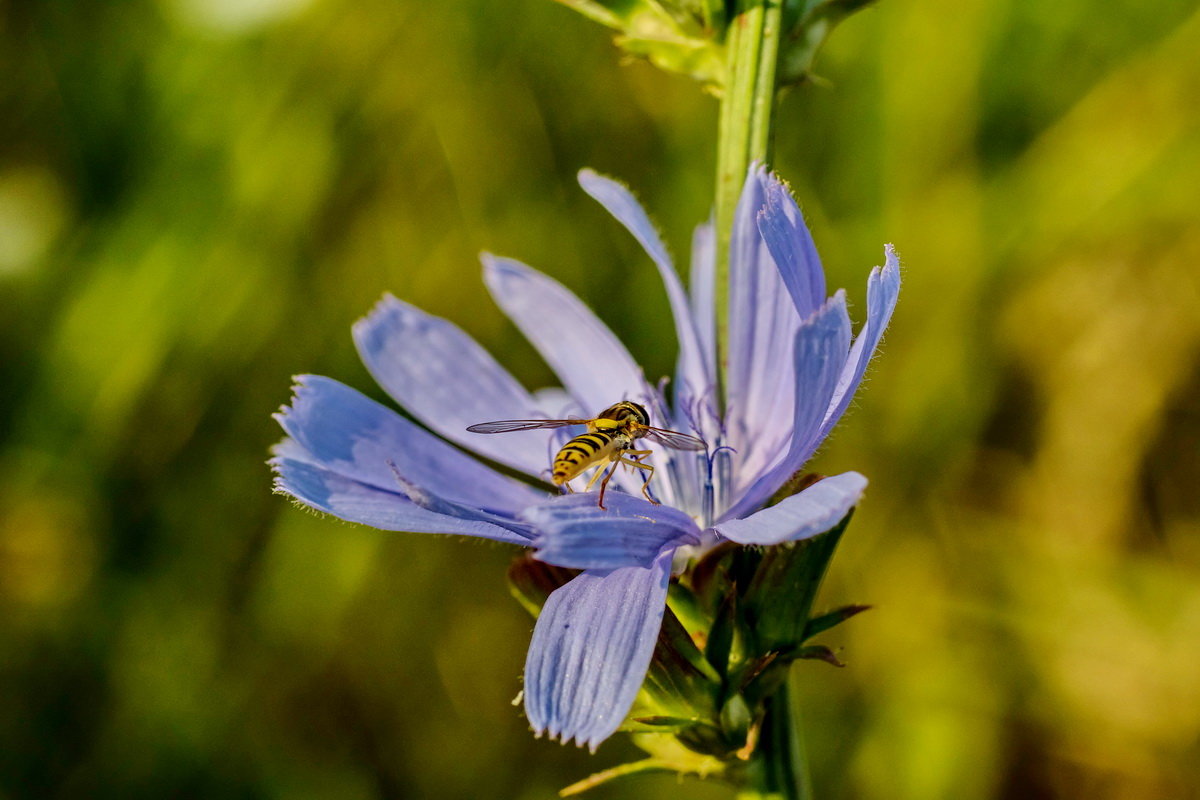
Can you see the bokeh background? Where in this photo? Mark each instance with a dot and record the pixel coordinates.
(198, 197)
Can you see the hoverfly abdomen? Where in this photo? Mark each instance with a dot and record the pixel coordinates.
(576, 455)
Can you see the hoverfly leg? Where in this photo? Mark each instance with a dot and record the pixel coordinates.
(595, 477)
(637, 455)
(633, 462)
(604, 483)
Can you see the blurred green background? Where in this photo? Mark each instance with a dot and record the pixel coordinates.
(198, 197)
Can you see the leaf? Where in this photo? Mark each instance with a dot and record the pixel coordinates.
(680, 682)
(818, 652)
(805, 37)
(720, 637)
(633, 768)
(595, 12)
(829, 619)
(669, 722)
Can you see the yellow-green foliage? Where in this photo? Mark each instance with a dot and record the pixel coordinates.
(198, 198)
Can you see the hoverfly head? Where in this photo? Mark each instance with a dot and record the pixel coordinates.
(627, 412)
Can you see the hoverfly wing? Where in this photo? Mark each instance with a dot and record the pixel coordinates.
(511, 425)
(675, 439)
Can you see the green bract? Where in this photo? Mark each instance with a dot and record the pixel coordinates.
(689, 36)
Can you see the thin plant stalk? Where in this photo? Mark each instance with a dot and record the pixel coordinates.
(778, 770)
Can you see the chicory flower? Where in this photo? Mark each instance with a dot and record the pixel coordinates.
(792, 369)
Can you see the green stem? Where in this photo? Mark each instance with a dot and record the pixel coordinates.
(744, 132)
(778, 770)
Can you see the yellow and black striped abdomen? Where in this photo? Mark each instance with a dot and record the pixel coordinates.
(582, 451)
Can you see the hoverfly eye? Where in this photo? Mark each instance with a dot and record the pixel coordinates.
(639, 413)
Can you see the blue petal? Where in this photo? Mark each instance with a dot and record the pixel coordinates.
(693, 378)
(593, 364)
(791, 245)
(883, 289)
(447, 381)
(814, 510)
(349, 434)
(354, 501)
(820, 355)
(763, 320)
(556, 403)
(573, 531)
(822, 344)
(702, 286)
(590, 651)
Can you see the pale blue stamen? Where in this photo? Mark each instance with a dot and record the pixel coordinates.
(724, 461)
(704, 464)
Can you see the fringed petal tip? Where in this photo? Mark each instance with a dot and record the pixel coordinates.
(556, 736)
(835, 300)
(283, 487)
(621, 202)
(298, 390)
(783, 230)
(777, 194)
(889, 272)
(764, 175)
(883, 287)
(371, 329)
(589, 177)
(497, 267)
(387, 303)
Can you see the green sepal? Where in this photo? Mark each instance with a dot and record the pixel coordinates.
(658, 724)
(688, 608)
(680, 682)
(689, 36)
(818, 652)
(699, 58)
(709, 740)
(683, 36)
(596, 11)
(737, 717)
(718, 649)
(711, 13)
(676, 645)
(531, 581)
(762, 677)
(777, 604)
(710, 576)
(829, 619)
(807, 29)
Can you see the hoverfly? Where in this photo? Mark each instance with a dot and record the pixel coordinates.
(610, 435)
